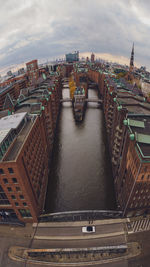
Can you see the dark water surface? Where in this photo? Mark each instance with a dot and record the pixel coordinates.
(80, 176)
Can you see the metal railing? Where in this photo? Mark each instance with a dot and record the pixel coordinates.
(86, 215)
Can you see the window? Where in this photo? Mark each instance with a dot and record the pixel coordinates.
(1, 171)
(145, 169)
(18, 188)
(5, 180)
(142, 177)
(14, 180)
(25, 213)
(9, 189)
(21, 197)
(16, 204)
(3, 198)
(24, 204)
(10, 170)
(13, 197)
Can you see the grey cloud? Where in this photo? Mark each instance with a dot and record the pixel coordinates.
(47, 28)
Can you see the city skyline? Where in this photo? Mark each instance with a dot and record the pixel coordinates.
(48, 29)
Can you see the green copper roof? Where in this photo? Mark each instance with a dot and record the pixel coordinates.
(136, 123)
(132, 137)
(143, 138)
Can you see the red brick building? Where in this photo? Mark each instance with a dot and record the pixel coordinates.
(32, 71)
(23, 165)
(13, 90)
(127, 118)
(25, 149)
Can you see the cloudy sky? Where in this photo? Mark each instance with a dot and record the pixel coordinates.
(40, 29)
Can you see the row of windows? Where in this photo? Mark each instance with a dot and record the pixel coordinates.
(25, 213)
(141, 204)
(34, 142)
(14, 180)
(143, 197)
(4, 202)
(146, 176)
(17, 204)
(10, 189)
(14, 197)
(9, 169)
(3, 198)
(142, 190)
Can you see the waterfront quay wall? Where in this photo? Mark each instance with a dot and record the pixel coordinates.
(24, 163)
(127, 116)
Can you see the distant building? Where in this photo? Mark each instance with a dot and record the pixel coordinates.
(32, 71)
(72, 57)
(92, 57)
(143, 68)
(132, 59)
(87, 59)
(13, 89)
(9, 73)
(21, 71)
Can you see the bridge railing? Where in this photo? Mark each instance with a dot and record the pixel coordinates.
(87, 215)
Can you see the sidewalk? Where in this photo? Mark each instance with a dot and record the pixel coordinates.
(24, 232)
(80, 223)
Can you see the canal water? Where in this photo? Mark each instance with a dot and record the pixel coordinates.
(80, 173)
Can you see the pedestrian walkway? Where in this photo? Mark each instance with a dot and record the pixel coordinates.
(138, 225)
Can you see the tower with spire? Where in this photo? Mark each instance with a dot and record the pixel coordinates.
(132, 60)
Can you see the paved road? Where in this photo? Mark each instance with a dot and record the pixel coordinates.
(79, 243)
(7, 242)
(142, 260)
(139, 225)
(21, 237)
(116, 264)
(77, 231)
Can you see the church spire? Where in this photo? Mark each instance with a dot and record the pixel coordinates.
(132, 59)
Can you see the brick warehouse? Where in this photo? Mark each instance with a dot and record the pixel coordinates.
(127, 117)
(25, 153)
(24, 156)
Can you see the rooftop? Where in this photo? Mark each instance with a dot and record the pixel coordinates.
(140, 127)
(11, 121)
(134, 104)
(3, 134)
(18, 142)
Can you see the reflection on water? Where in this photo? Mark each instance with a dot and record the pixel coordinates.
(80, 176)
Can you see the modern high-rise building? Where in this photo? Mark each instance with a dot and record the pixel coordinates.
(72, 57)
